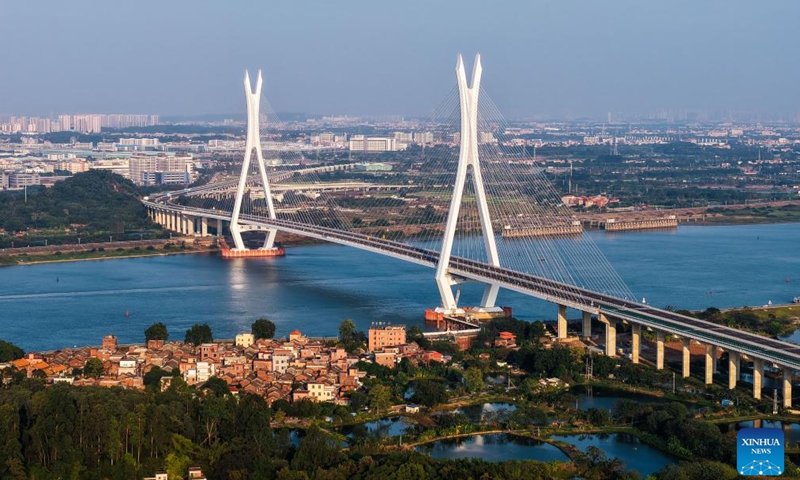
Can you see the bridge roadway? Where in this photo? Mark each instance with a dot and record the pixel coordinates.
(784, 354)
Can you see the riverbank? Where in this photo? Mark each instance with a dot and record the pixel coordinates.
(787, 211)
(104, 251)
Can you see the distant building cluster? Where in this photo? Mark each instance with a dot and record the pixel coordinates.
(289, 369)
(91, 123)
(143, 168)
(598, 201)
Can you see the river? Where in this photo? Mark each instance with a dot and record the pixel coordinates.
(313, 288)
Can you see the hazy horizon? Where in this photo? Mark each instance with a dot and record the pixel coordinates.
(540, 59)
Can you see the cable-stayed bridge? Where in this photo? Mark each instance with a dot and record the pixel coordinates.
(444, 212)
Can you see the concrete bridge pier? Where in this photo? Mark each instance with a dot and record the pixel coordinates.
(659, 350)
(219, 227)
(787, 387)
(714, 358)
(711, 360)
(610, 334)
(758, 377)
(687, 357)
(587, 324)
(636, 336)
(733, 369)
(562, 321)
(203, 226)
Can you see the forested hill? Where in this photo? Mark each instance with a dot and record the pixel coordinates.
(100, 200)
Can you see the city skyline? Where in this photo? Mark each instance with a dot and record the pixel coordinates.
(625, 57)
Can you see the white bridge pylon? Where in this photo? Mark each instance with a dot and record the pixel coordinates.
(253, 142)
(468, 158)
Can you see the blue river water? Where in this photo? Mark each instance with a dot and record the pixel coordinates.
(313, 288)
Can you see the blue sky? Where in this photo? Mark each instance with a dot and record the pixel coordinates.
(540, 57)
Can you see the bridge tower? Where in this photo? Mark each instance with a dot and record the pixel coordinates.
(468, 160)
(253, 143)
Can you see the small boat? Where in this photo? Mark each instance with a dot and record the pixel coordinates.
(796, 300)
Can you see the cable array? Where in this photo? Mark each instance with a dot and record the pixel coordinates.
(411, 203)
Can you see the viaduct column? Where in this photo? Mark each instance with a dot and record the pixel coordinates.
(659, 350)
(710, 361)
(587, 324)
(714, 350)
(733, 369)
(219, 227)
(562, 321)
(203, 226)
(636, 334)
(787, 387)
(758, 377)
(687, 357)
(611, 335)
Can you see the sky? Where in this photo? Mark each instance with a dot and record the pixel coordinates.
(556, 58)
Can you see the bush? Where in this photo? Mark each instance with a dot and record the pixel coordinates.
(150, 248)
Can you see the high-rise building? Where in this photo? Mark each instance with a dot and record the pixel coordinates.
(65, 121)
(161, 169)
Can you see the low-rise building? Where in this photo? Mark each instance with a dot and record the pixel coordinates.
(384, 335)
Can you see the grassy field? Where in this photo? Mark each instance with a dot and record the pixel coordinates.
(781, 311)
(96, 254)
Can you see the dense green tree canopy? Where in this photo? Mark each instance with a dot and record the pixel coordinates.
(93, 368)
(9, 351)
(199, 334)
(263, 328)
(98, 199)
(156, 331)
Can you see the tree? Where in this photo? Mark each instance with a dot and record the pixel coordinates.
(429, 392)
(358, 400)
(347, 330)
(263, 328)
(199, 334)
(379, 397)
(93, 368)
(350, 338)
(317, 450)
(156, 331)
(473, 379)
(218, 386)
(9, 351)
(153, 377)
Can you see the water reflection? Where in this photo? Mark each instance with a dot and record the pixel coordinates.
(494, 448)
(791, 430)
(379, 429)
(636, 455)
(486, 412)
